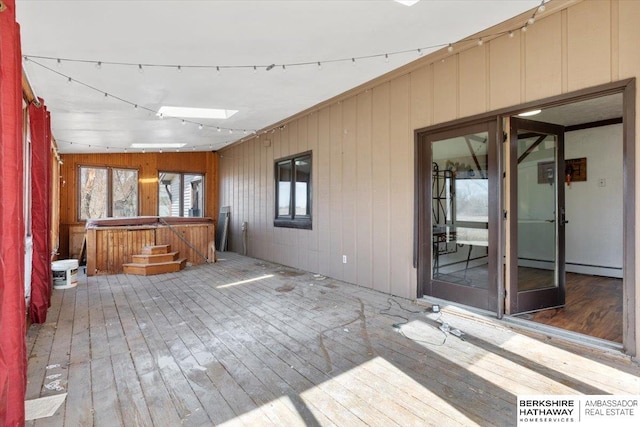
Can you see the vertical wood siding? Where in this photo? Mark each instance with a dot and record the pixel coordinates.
(363, 143)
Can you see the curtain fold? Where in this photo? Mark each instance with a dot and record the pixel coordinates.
(39, 119)
(13, 363)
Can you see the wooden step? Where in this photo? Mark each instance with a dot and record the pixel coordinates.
(157, 268)
(152, 259)
(156, 249)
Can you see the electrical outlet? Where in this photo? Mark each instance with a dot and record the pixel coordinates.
(344, 259)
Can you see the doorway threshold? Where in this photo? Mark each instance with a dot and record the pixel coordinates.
(538, 330)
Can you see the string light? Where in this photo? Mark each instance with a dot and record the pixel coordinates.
(140, 70)
(99, 65)
(540, 9)
(386, 57)
(135, 105)
(319, 66)
(200, 126)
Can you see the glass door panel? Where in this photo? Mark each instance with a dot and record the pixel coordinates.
(537, 231)
(537, 255)
(460, 207)
(459, 169)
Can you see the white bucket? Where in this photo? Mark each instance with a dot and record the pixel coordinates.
(65, 273)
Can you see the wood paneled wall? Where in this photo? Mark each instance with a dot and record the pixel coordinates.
(148, 165)
(363, 146)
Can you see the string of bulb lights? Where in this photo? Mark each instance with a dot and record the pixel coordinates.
(140, 66)
(451, 47)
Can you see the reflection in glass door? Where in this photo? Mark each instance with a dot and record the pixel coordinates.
(462, 262)
(537, 153)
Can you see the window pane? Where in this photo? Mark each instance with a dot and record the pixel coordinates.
(193, 195)
(284, 188)
(460, 209)
(93, 193)
(303, 187)
(124, 192)
(168, 194)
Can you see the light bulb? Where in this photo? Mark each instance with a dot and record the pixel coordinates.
(98, 65)
(200, 126)
(255, 69)
(218, 70)
(218, 129)
(183, 122)
(419, 52)
(541, 8)
(140, 70)
(59, 62)
(510, 34)
(386, 57)
(135, 106)
(531, 20)
(450, 47)
(69, 80)
(353, 61)
(319, 66)
(284, 69)
(480, 42)
(524, 29)
(179, 68)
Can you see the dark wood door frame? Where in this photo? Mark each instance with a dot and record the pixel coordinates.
(628, 88)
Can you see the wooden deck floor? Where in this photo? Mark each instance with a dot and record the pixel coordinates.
(249, 343)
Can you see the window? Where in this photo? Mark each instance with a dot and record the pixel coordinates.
(108, 192)
(293, 192)
(180, 194)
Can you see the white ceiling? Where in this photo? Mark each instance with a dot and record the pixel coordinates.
(234, 35)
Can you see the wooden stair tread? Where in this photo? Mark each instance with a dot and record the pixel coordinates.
(154, 268)
(155, 249)
(153, 258)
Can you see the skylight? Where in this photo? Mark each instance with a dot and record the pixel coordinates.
(195, 113)
(407, 2)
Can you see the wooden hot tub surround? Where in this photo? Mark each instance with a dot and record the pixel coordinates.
(112, 242)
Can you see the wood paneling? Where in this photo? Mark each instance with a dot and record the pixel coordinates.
(445, 89)
(589, 44)
(505, 70)
(110, 247)
(543, 58)
(364, 209)
(148, 166)
(473, 81)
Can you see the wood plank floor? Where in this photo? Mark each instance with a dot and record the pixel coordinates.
(593, 307)
(249, 343)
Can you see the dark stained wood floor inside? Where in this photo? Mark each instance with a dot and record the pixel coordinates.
(593, 307)
(250, 343)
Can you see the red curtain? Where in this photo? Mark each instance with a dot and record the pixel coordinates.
(40, 220)
(13, 364)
